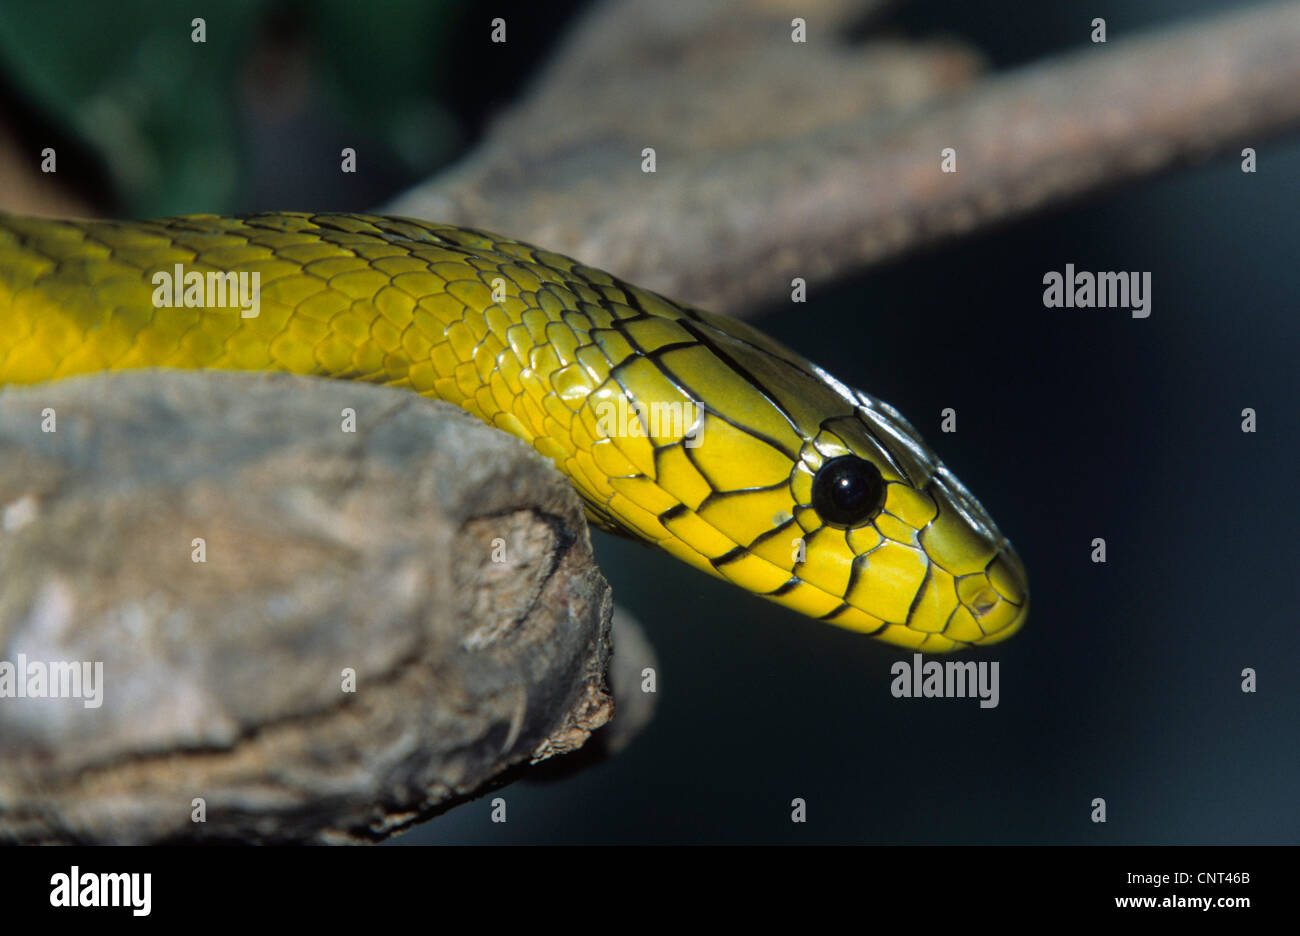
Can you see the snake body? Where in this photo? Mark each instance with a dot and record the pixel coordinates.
(778, 477)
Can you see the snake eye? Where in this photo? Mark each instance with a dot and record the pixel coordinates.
(847, 491)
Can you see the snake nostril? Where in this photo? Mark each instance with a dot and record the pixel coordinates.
(985, 601)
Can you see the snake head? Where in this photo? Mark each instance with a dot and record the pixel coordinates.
(827, 500)
(929, 569)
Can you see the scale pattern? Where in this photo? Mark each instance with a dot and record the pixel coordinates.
(598, 375)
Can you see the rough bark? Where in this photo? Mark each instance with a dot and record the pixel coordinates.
(443, 562)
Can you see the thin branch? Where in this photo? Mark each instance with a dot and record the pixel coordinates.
(777, 159)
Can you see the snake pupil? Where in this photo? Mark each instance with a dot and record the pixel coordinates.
(847, 491)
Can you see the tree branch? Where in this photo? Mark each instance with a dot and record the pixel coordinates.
(442, 562)
(778, 159)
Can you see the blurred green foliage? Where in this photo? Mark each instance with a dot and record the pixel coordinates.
(164, 111)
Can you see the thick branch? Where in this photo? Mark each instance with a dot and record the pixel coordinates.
(441, 561)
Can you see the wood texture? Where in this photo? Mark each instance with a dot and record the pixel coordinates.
(373, 551)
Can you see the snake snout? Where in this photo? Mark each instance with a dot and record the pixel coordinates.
(998, 598)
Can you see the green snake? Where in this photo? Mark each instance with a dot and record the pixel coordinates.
(682, 429)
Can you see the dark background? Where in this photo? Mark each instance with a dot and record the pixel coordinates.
(1072, 424)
